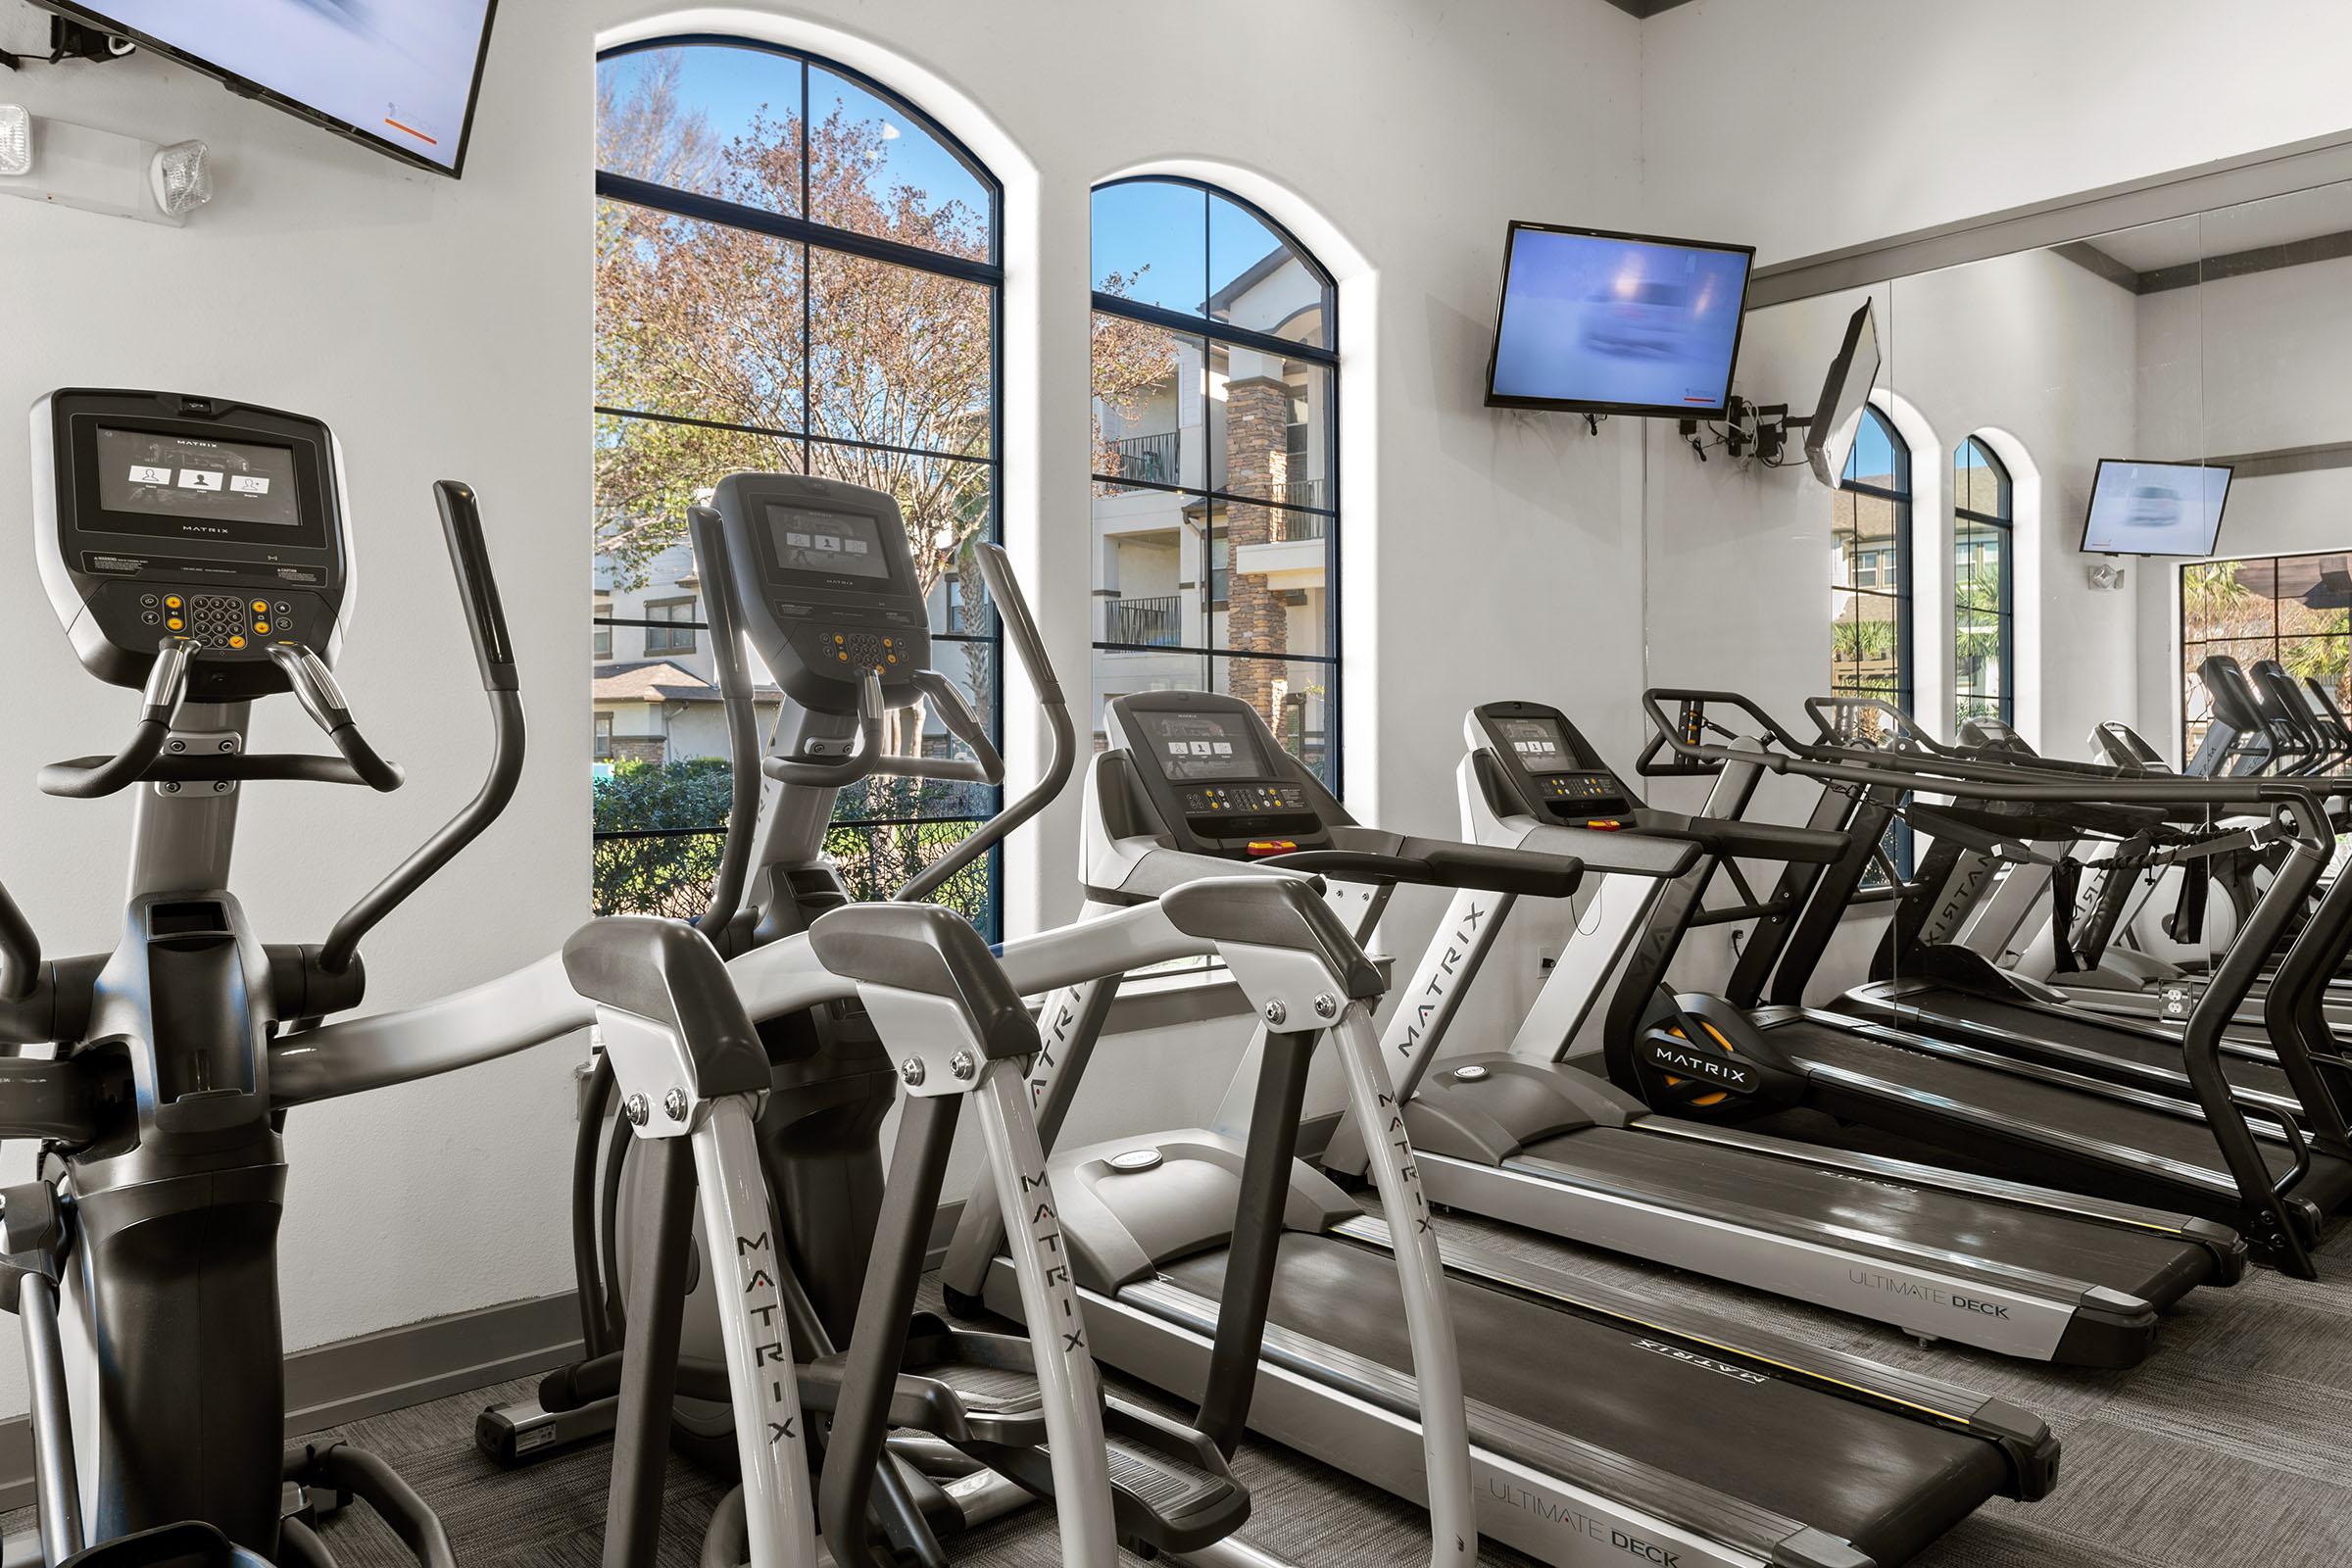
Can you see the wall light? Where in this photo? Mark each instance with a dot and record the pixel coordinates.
(16, 139)
(101, 171)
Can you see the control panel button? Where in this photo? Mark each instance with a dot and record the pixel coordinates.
(260, 607)
(174, 601)
(149, 618)
(261, 628)
(147, 600)
(177, 624)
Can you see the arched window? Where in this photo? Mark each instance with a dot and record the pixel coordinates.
(1216, 518)
(1870, 598)
(1984, 574)
(796, 271)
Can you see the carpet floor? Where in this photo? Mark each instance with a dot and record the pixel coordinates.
(2227, 1447)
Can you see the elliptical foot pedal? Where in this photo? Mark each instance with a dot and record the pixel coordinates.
(524, 1429)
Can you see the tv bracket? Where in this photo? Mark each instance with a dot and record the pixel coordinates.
(1749, 430)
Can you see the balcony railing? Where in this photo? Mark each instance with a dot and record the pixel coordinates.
(1150, 459)
(1143, 623)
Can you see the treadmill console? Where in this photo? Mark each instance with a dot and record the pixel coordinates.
(1216, 777)
(827, 586)
(1546, 769)
(163, 518)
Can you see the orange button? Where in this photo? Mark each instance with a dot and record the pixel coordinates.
(172, 602)
(262, 627)
(175, 624)
(236, 641)
(844, 658)
(260, 607)
(894, 659)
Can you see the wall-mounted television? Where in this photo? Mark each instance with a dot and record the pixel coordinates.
(1599, 322)
(1838, 411)
(2155, 508)
(399, 76)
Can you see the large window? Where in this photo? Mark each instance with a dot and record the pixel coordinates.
(1870, 585)
(795, 271)
(1983, 613)
(1870, 591)
(1215, 518)
(2295, 609)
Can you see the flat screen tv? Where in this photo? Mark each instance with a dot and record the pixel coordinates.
(2155, 508)
(399, 76)
(1838, 411)
(1599, 322)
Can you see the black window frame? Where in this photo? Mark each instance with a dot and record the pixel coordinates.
(1216, 504)
(808, 234)
(2004, 523)
(2278, 637)
(1902, 499)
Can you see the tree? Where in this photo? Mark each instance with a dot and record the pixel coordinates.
(705, 322)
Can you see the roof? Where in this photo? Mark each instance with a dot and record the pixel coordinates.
(658, 680)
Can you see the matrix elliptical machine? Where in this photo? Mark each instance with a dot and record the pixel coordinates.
(199, 551)
(817, 575)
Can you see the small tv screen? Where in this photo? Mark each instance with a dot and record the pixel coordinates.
(1838, 411)
(1596, 322)
(397, 74)
(2155, 508)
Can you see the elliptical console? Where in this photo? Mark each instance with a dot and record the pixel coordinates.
(165, 517)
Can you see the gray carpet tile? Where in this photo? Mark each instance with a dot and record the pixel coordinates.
(2231, 1446)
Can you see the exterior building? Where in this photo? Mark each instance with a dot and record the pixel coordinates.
(655, 684)
(1202, 564)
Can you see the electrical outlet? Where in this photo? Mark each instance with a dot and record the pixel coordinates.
(1547, 957)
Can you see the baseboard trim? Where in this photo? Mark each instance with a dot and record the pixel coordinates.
(350, 1380)
(332, 1385)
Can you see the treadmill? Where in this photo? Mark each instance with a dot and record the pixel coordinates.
(1932, 974)
(1941, 1059)
(2111, 974)
(1526, 1136)
(1603, 1425)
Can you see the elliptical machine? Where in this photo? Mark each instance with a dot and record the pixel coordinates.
(198, 550)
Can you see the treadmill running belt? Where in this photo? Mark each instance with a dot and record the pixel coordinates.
(2077, 1033)
(2015, 1099)
(2156, 1268)
(1885, 1483)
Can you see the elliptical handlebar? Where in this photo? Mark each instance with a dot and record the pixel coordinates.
(1020, 631)
(20, 951)
(737, 698)
(87, 778)
(487, 623)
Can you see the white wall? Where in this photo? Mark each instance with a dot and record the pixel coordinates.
(1803, 126)
(444, 328)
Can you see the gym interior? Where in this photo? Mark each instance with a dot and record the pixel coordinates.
(1523, 781)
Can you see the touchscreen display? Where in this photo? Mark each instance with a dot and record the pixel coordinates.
(1536, 743)
(1202, 747)
(835, 543)
(196, 481)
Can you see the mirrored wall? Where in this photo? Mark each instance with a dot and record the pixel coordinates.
(1947, 572)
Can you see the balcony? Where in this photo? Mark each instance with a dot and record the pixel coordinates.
(1143, 623)
(1146, 459)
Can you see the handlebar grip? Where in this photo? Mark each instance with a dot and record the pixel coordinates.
(1020, 626)
(477, 584)
(20, 951)
(1530, 872)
